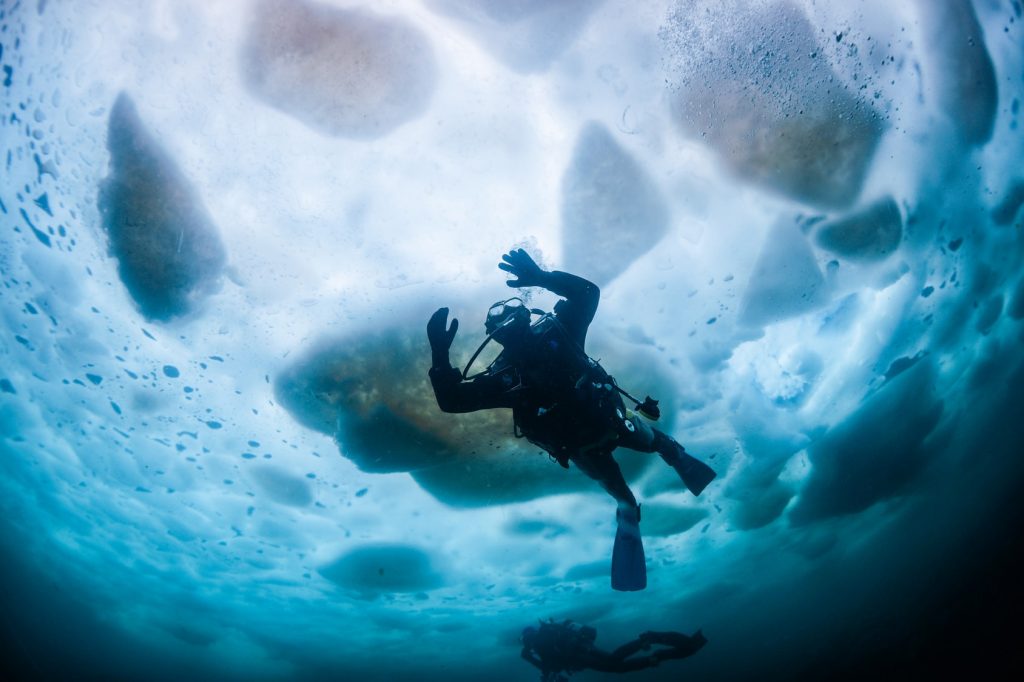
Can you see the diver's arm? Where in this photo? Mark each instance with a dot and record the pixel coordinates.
(582, 296)
(455, 395)
(440, 335)
(452, 393)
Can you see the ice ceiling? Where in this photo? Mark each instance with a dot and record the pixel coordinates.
(223, 226)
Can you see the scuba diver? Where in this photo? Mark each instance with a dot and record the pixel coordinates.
(562, 400)
(557, 648)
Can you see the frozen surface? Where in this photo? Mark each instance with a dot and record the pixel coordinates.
(753, 81)
(967, 89)
(525, 35)
(347, 72)
(224, 225)
(608, 198)
(871, 233)
(168, 251)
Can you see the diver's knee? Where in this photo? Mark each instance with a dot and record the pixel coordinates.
(628, 511)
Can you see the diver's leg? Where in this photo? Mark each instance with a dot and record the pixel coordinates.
(603, 468)
(680, 645)
(630, 648)
(695, 474)
(636, 434)
(611, 663)
(629, 566)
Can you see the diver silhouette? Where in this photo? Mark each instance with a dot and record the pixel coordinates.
(562, 400)
(560, 649)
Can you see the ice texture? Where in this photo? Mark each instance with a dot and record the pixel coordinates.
(786, 280)
(666, 520)
(608, 198)
(1007, 209)
(751, 81)
(262, 487)
(963, 77)
(868, 234)
(282, 487)
(346, 72)
(374, 570)
(525, 35)
(870, 456)
(169, 253)
(371, 393)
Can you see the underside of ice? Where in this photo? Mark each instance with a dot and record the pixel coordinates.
(224, 226)
(526, 35)
(169, 253)
(752, 81)
(871, 233)
(607, 197)
(371, 394)
(345, 72)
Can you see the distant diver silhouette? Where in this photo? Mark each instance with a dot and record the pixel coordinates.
(562, 400)
(560, 649)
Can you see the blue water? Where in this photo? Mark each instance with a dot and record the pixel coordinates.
(223, 227)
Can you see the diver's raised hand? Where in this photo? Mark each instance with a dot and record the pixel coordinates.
(526, 270)
(441, 335)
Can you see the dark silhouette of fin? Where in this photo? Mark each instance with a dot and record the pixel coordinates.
(629, 566)
(695, 474)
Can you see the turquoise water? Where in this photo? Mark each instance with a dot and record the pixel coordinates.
(224, 225)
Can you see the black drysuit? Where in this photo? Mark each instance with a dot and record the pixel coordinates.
(557, 648)
(560, 399)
